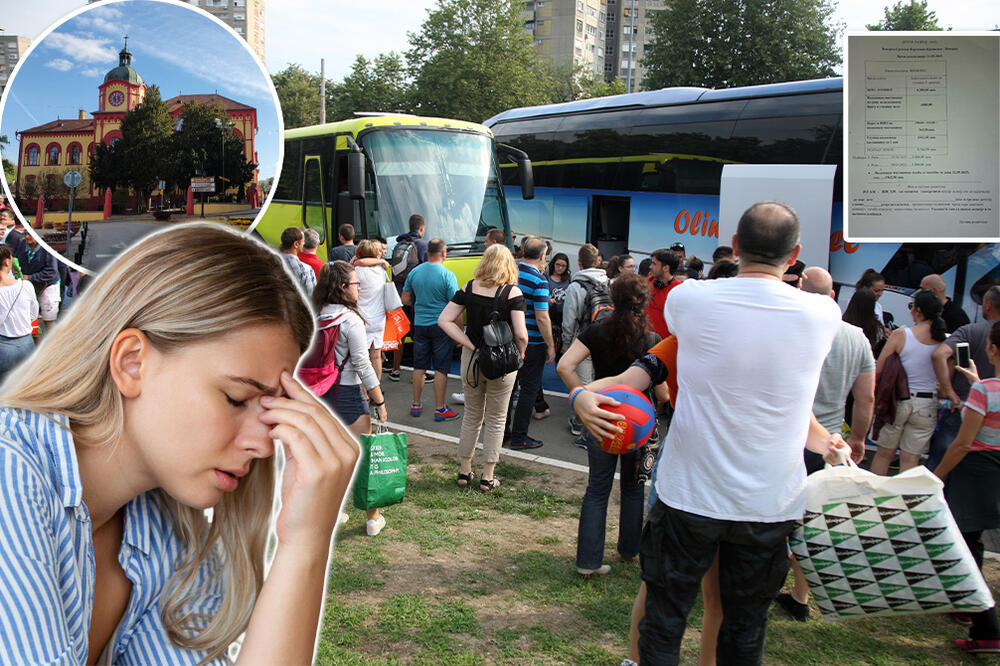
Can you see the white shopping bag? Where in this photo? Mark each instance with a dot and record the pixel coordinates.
(877, 545)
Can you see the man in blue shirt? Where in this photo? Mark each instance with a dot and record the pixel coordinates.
(428, 288)
(541, 350)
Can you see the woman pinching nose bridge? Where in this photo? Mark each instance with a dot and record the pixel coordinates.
(163, 393)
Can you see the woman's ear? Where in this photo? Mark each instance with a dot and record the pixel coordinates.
(129, 355)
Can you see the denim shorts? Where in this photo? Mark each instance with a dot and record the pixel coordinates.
(351, 403)
(432, 349)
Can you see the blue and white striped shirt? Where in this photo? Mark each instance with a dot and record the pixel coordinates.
(47, 557)
(535, 287)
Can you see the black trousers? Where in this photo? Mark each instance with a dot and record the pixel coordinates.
(984, 623)
(677, 549)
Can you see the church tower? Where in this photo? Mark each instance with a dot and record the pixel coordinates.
(121, 91)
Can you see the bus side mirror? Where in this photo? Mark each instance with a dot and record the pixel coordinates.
(524, 172)
(356, 174)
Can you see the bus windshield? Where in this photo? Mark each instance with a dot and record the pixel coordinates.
(451, 178)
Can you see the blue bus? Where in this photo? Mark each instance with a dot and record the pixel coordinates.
(635, 172)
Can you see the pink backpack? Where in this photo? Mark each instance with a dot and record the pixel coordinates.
(319, 370)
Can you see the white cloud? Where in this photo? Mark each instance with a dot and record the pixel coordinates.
(92, 72)
(81, 49)
(61, 64)
(100, 24)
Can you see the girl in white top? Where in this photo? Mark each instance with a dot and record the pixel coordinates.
(916, 416)
(371, 299)
(18, 307)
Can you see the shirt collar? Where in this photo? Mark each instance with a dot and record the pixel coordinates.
(57, 438)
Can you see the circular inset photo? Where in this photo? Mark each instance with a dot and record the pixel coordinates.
(127, 116)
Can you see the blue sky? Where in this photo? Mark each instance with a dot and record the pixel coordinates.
(179, 49)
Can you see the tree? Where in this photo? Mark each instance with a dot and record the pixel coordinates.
(379, 85)
(9, 170)
(473, 59)
(572, 82)
(145, 147)
(913, 16)
(205, 142)
(726, 43)
(106, 167)
(298, 92)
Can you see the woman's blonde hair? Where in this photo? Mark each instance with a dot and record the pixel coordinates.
(497, 267)
(368, 248)
(186, 285)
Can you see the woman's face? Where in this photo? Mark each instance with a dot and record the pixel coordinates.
(560, 267)
(195, 424)
(628, 266)
(878, 288)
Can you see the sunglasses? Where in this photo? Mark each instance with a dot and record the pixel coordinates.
(354, 284)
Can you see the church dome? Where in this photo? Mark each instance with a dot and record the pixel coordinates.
(124, 71)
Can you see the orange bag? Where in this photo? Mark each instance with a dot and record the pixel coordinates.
(397, 325)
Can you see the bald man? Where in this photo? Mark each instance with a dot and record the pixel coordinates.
(849, 369)
(953, 314)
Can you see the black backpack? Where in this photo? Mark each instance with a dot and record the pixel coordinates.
(404, 259)
(498, 354)
(596, 304)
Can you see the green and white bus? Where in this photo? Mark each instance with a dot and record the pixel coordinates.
(374, 171)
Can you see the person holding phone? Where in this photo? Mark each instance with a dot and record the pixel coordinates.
(162, 394)
(971, 471)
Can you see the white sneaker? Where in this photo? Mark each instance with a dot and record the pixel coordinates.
(373, 527)
(458, 397)
(587, 573)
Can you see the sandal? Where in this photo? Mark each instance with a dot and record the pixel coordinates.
(465, 479)
(486, 485)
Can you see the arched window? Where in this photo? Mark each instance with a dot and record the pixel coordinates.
(33, 155)
(74, 152)
(52, 154)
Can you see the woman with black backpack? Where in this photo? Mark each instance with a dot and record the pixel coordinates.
(493, 345)
(612, 343)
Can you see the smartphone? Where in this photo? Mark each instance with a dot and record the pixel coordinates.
(962, 354)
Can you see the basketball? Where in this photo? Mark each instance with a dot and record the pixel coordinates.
(637, 419)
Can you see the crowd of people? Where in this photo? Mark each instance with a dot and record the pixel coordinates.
(724, 505)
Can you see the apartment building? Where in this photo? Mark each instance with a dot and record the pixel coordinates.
(246, 17)
(569, 31)
(629, 30)
(12, 48)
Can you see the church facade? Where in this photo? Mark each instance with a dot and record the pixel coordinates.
(48, 151)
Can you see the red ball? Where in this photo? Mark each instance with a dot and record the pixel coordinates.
(637, 419)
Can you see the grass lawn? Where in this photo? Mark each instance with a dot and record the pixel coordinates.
(463, 577)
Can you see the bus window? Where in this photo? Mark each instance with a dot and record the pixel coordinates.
(289, 186)
(313, 207)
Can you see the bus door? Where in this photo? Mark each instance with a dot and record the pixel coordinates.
(609, 224)
(314, 213)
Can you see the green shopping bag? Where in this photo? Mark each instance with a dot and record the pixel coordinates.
(381, 478)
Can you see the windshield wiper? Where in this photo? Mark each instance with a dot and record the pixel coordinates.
(462, 247)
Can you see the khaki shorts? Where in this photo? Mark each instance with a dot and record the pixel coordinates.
(915, 422)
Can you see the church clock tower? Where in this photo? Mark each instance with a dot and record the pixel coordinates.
(121, 91)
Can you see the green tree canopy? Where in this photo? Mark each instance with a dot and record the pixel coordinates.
(377, 85)
(911, 16)
(205, 142)
(726, 43)
(472, 59)
(145, 149)
(298, 92)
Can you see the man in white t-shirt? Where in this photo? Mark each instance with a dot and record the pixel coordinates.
(732, 479)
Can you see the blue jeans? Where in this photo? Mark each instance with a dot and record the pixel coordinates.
(13, 351)
(594, 513)
(944, 435)
(529, 378)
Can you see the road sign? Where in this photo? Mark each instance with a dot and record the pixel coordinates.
(205, 184)
(73, 178)
(163, 185)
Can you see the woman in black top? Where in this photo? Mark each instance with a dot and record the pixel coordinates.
(484, 397)
(613, 344)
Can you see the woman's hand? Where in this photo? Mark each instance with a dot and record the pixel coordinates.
(971, 373)
(320, 455)
(599, 422)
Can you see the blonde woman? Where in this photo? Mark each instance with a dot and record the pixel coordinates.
(371, 300)
(161, 394)
(485, 399)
